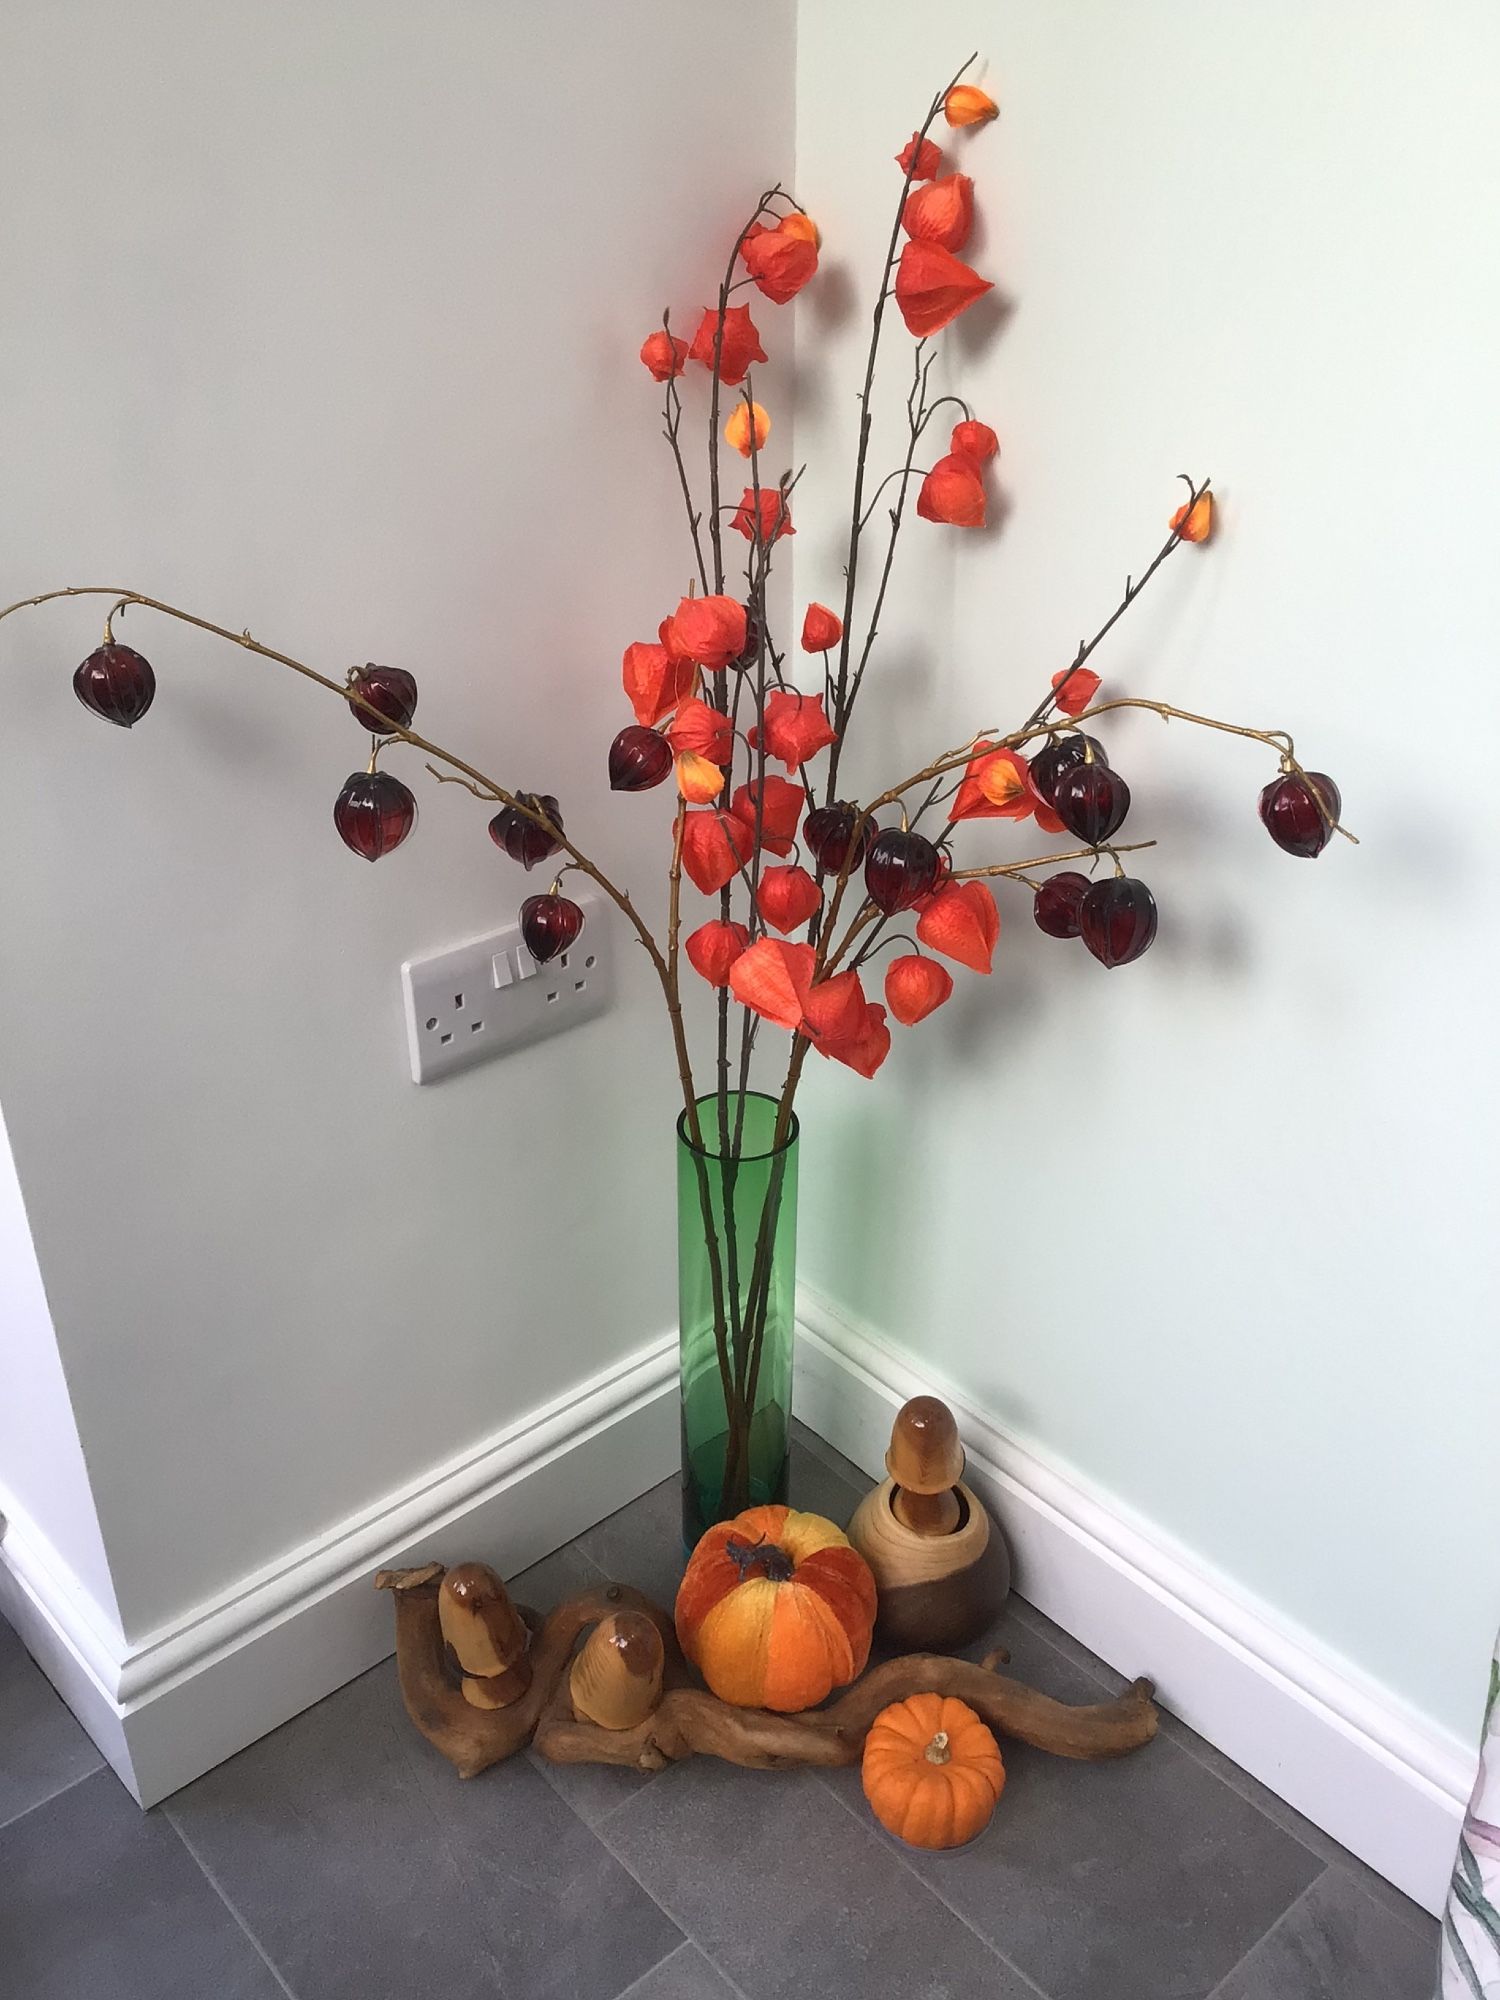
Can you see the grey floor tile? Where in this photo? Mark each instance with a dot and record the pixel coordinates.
(1141, 1879)
(686, 1975)
(642, 1544)
(364, 1866)
(44, 1750)
(819, 1486)
(564, 1573)
(770, 1877)
(1336, 1944)
(99, 1898)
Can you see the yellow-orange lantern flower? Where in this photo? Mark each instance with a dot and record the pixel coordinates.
(747, 429)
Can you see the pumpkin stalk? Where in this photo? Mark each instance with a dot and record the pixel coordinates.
(937, 1751)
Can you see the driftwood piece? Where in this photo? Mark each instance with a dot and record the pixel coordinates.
(689, 1721)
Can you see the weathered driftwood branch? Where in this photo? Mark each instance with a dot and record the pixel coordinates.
(688, 1721)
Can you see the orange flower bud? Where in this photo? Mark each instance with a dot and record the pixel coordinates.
(967, 104)
(996, 785)
(927, 157)
(915, 986)
(715, 846)
(702, 730)
(710, 630)
(821, 628)
(737, 431)
(953, 493)
(697, 779)
(655, 681)
(846, 1027)
(1076, 689)
(781, 260)
(1197, 526)
(774, 519)
(713, 948)
(772, 979)
(787, 898)
(933, 287)
(781, 805)
(794, 726)
(941, 213)
(798, 224)
(664, 354)
(739, 348)
(974, 440)
(961, 921)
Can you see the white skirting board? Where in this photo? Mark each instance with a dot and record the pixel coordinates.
(180, 1700)
(1378, 1779)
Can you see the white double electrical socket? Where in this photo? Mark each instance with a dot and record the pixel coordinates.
(489, 996)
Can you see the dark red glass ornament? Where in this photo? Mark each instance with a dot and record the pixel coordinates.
(1289, 813)
(639, 758)
(1057, 903)
(117, 683)
(1091, 800)
(374, 813)
(900, 869)
(1117, 919)
(829, 832)
(1059, 756)
(522, 839)
(391, 690)
(549, 924)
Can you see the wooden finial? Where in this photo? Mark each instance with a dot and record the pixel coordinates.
(486, 1635)
(616, 1679)
(926, 1461)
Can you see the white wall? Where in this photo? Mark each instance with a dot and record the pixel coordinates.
(323, 321)
(1217, 1230)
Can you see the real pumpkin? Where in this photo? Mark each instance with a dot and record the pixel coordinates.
(932, 1771)
(776, 1609)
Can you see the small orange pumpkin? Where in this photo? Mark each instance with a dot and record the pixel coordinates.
(932, 1771)
(776, 1609)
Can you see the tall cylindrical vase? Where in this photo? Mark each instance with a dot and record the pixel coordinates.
(736, 1275)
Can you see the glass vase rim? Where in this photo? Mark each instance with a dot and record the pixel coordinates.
(711, 1097)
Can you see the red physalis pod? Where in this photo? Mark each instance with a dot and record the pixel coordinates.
(1117, 920)
(549, 924)
(373, 813)
(115, 682)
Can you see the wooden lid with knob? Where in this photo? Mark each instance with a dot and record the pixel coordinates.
(926, 1462)
(616, 1678)
(486, 1635)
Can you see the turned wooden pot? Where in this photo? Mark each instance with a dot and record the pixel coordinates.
(935, 1591)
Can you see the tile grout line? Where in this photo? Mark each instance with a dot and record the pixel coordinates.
(213, 1882)
(689, 1936)
(62, 1791)
(688, 1944)
(937, 1895)
(1269, 1932)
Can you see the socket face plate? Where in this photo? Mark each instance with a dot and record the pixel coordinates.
(481, 999)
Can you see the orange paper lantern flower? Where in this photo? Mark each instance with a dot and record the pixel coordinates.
(664, 354)
(933, 287)
(922, 159)
(953, 493)
(781, 805)
(821, 629)
(698, 780)
(961, 921)
(1198, 525)
(781, 259)
(768, 522)
(710, 630)
(846, 1027)
(772, 979)
(698, 730)
(996, 785)
(787, 898)
(974, 440)
(740, 347)
(715, 846)
(747, 429)
(795, 727)
(713, 948)
(941, 213)
(915, 987)
(967, 104)
(1076, 688)
(655, 681)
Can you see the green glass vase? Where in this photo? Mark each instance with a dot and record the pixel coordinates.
(736, 1280)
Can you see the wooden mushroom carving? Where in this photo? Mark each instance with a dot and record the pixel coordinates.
(616, 1678)
(942, 1570)
(485, 1634)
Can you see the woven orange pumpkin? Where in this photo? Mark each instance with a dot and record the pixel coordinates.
(932, 1771)
(776, 1609)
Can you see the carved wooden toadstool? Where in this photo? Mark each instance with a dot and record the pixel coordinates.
(941, 1566)
(485, 1634)
(616, 1678)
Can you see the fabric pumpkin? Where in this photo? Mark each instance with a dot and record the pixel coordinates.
(932, 1771)
(776, 1609)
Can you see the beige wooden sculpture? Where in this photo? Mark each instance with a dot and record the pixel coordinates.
(616, 1678)
(941, 1566)
(489, 1641)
